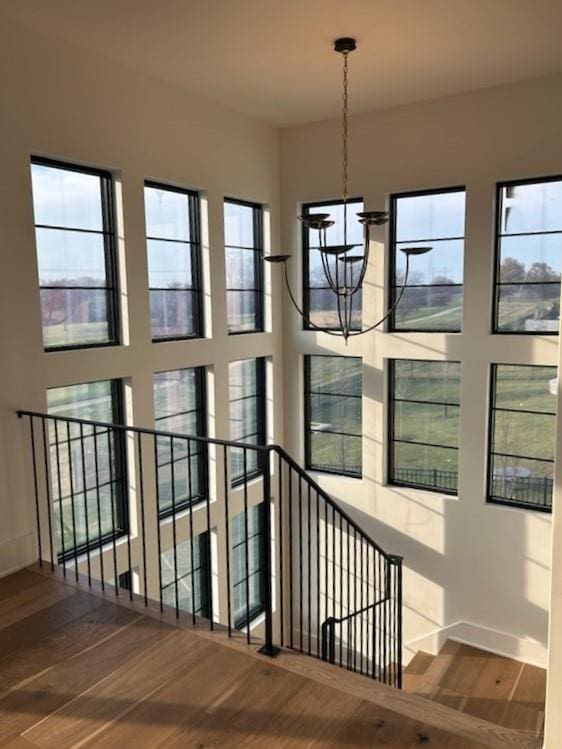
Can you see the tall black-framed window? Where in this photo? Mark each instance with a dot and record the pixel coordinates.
(521, 435)
(247, 391)
(333, 414)
(174, 262)
(243, 239)
(180, 407)
(528, 257)
(248, 582)
(424, 412)
(76, 256)
(432, 301)
(319, 301)
(191, 582)
(88, 473)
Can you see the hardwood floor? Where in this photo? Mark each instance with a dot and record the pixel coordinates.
(501, 690)
(78, 670)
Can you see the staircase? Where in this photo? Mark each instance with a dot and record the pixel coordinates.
(501, 690)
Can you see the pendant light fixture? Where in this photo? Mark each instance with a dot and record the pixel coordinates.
(344, 265)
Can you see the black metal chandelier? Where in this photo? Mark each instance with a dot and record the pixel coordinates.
(339, 262)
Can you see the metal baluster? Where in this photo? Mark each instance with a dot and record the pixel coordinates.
(127, 494)
(348, 545)
(281, 553)
(112, 496)
(36, 488)
(57, 454)
(268, 649)
(361, 605)
(291, 560)
(175, 535)
(98, 503)
(317, 575)
(158, 527)
(47, 455)
(246, 544)
(300, 564)
(309, 570)
(341, 589)
(355, 599)
(143, 525)
(326, 570)
(84, 489)
(227, 539)
(191, 550)
(73, 509)
(205, 458)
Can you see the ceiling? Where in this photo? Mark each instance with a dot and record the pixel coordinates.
(272, 59)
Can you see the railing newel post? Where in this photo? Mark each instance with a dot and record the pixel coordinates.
(268, 648)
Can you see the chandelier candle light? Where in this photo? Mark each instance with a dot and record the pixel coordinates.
(342, 278)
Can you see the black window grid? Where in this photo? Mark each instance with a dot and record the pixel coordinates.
(448, 480)
(307, 209)
(257, 571)
(194, 243)
(196, 449)
(544, 487)
(309, 430)
(108, 232)
(199, 578)
(261, 421)
(499, 235)
(395, 287)
(257, 258)
(119, 480)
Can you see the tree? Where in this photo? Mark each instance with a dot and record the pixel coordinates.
(512, 271)
(542, 272)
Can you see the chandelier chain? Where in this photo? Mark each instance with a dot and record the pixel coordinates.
(344, 126)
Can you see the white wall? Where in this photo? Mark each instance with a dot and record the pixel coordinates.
(56, 101)
(467, 561)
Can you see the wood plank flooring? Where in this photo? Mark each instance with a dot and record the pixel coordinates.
(497, 689)
(77, 670)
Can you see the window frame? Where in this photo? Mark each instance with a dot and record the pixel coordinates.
(107, 191)
(254, 613)
(309, 466)
(195, 245)
(261, 419)
(390, 480)
(203, 462)
(392, 242)
(122, 496)
(496, 284)
(205, 569)
(259, 278)
(490, 499)
(306, 288)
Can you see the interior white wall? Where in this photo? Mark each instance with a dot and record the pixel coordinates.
(61, 102)
(466, 561)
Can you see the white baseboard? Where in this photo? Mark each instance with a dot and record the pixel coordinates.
(17, 553)
(494, 641)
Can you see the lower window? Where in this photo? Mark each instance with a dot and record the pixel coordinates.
(424, 402)
(522, 430)
(87, 466)
(333, 423)
(247, 558)
(187, 575)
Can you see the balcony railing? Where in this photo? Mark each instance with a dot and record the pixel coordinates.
(269, 556)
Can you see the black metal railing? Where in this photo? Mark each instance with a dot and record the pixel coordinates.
(269, 555)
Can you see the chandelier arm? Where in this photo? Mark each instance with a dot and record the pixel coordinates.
(300, 311)
(327, 273)
(364, 266)
(394, 305)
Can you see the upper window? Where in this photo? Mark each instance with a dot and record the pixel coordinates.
(319, 301)
(186, 576)
(247, 562)
(247, 415)
(424, 424)
(179, 407)
(75, 241)
(174, 267)
(528, 257)
(243, 238)
(521, 442)
(88, 467)
(333, 399)
(432, 300)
